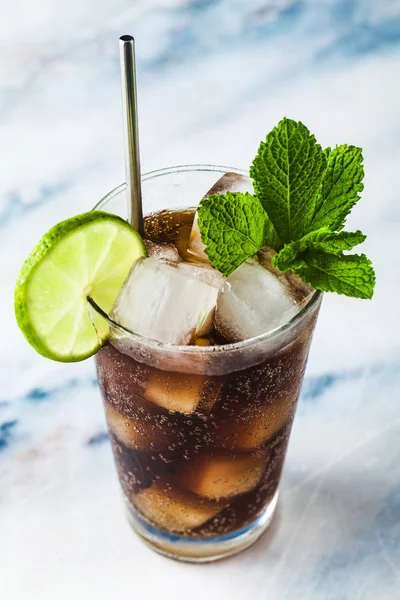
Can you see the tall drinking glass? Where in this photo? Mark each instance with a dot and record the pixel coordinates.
(199, 434)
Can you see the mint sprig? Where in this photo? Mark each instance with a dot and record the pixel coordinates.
(303, 196)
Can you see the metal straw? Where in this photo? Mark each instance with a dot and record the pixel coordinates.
(131, 133)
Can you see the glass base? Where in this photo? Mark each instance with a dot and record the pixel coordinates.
(207, 549)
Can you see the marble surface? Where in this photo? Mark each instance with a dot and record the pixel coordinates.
(215, 76)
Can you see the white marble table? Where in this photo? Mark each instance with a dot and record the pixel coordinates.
(215, 76)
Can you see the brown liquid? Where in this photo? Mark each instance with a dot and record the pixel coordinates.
(199, 455)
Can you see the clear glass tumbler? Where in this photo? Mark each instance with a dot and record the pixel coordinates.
(199, 434)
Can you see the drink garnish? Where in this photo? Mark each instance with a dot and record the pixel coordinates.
(302, 197)
(89, 255)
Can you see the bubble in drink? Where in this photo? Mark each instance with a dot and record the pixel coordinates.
(173, 509)
(252, 302)
(223, 475)
(165, 304)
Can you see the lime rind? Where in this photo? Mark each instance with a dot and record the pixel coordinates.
(91, 254)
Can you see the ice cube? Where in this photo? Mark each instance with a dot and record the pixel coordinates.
(251, 302)
(162, 251)
(223, 475)
(173, 509)
(203, 272)
(135, 469)
(196, 248)
(180, 392)
(164, 303)
(232, 182)
(227, 183)
(251, 428)
(299, 290)
(136, 433)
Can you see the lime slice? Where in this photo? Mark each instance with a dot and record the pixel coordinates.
(88, 255)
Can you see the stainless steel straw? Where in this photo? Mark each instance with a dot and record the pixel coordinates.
(131, 132)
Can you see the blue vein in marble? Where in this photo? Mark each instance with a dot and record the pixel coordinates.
(6, 433)
(366, 39)
(98, 438)
(314, 387)
(355, 32)
(37, 394)
(193, 40)
(14, 206)
(376, 538)
(40, 394)
(388, 519)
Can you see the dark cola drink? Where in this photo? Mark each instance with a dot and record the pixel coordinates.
(200, 443)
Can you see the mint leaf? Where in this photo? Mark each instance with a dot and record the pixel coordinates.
(350, 275)
(340, 187)
(318, 259)
(233, 227)
(271, 238)
(322, 240)
(336, 243)
(287, 174)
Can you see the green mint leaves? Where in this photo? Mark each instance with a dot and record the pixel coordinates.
(322, 240)
(303, 195)
(351, 275)
(318, 259)
(233, 226)
(341, 183)
(287, 174)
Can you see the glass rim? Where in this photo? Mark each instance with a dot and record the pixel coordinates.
(169, 171)
(154, 344)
